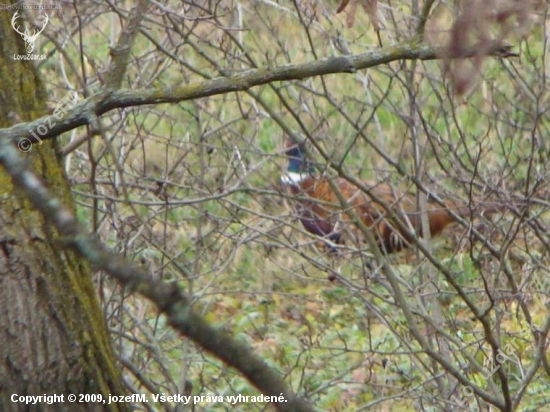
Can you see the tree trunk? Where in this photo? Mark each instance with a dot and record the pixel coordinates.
(53, 336)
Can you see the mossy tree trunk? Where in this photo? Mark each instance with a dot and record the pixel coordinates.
(53, 336)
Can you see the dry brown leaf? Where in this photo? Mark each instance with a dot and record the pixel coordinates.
(350, 19)
(480, 25)
(342, 6)
(370, 7)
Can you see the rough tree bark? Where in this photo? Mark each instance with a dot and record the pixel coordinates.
(53, 337)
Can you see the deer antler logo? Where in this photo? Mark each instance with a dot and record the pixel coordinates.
(29, 38)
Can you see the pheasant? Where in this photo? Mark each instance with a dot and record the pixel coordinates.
(320, 212)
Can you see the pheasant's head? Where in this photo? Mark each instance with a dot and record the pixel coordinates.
(298, 166)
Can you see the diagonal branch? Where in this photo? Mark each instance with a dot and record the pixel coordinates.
(86, 112)
(120, 54)
(426, 8)
(167, 297)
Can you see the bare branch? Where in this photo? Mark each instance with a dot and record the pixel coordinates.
(101, 103)
(120, 54)
(167, 297)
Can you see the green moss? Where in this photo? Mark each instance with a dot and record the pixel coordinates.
(72, 298)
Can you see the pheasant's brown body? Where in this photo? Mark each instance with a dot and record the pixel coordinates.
(318, 201)
(321, 211)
